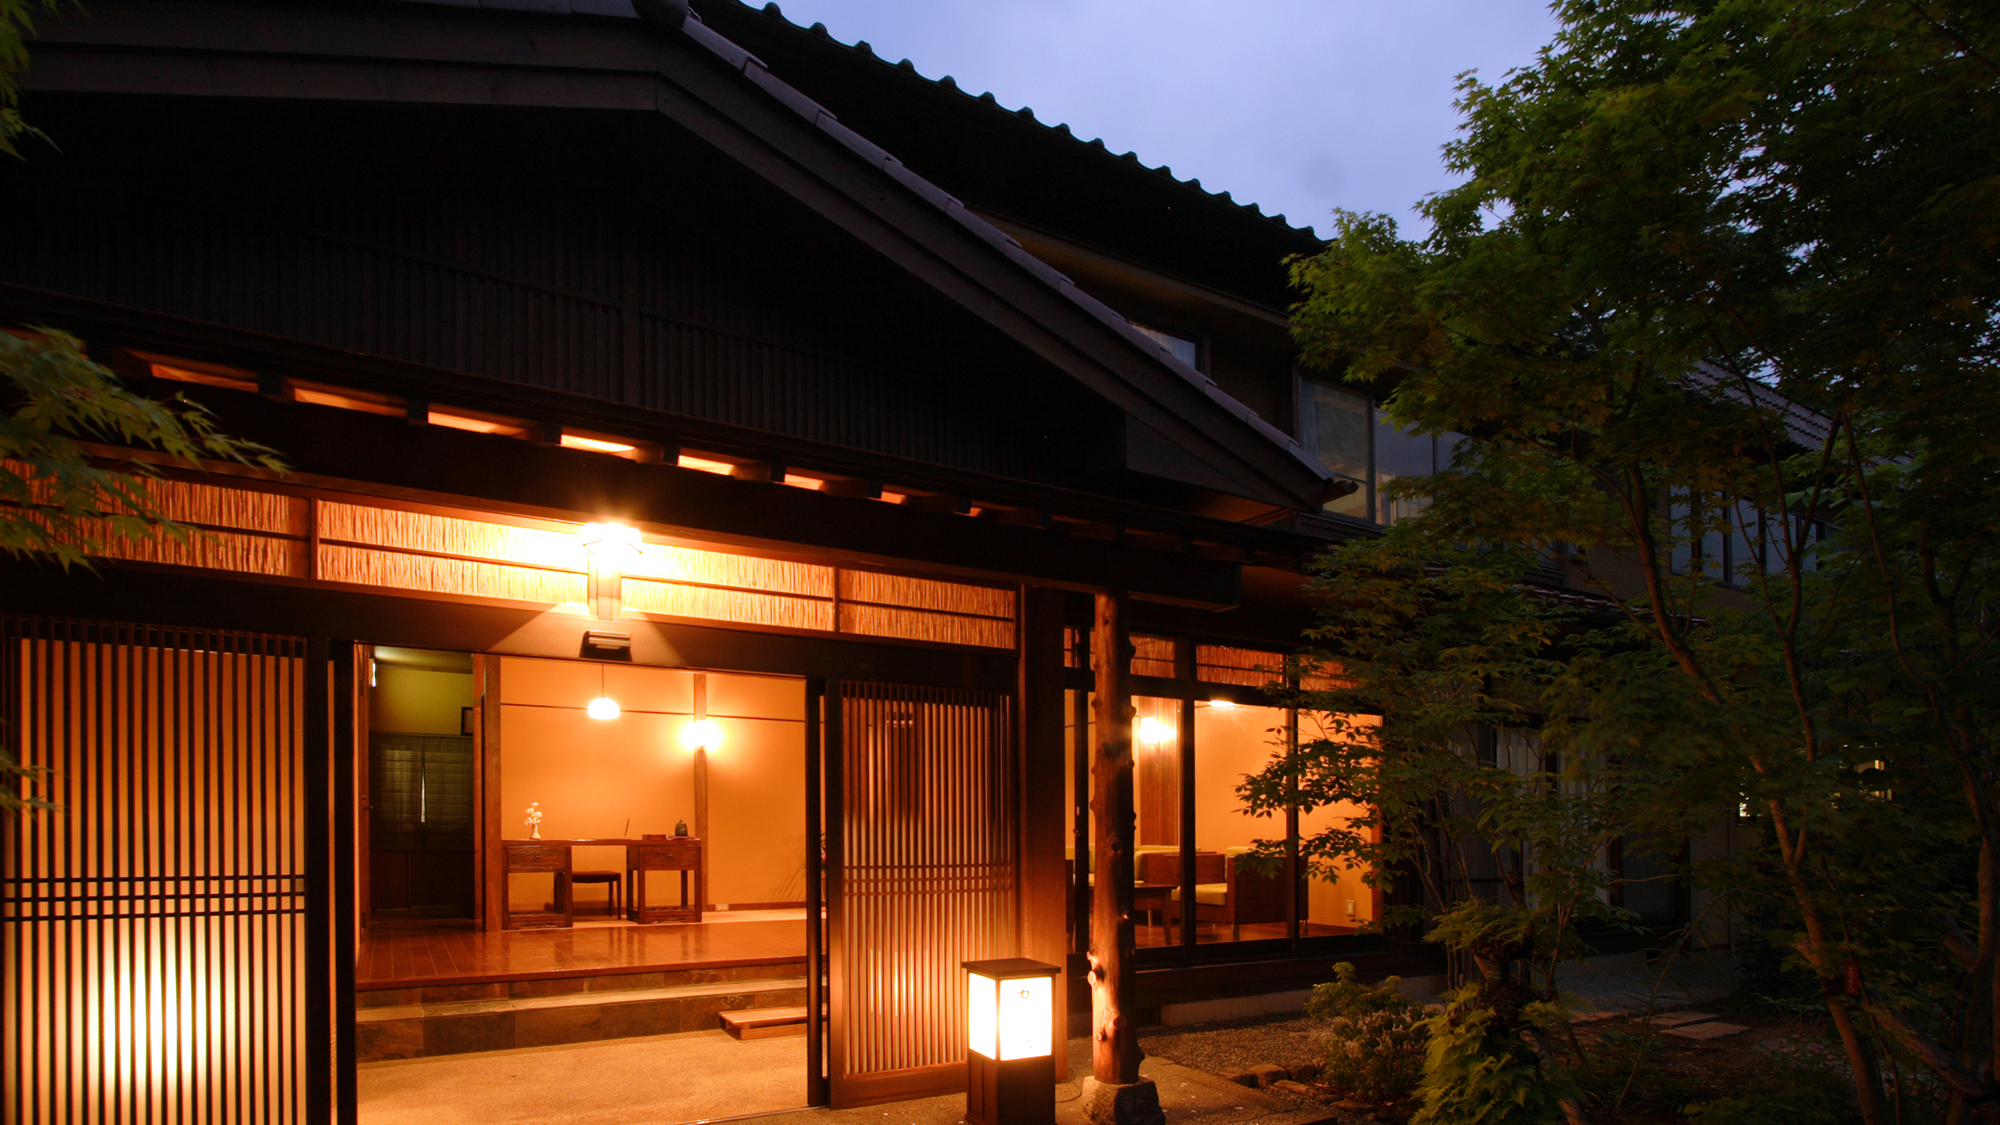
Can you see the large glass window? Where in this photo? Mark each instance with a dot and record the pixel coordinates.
(1196, 877)
(1334, 423)
(1236, 897)
(1156, 797)
(1342, 428)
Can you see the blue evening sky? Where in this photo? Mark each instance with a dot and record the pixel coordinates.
(1299, 105)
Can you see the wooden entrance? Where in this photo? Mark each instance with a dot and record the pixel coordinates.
(921, 851)
(166, 943)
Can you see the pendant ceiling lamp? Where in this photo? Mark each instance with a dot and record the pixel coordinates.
(603, 707)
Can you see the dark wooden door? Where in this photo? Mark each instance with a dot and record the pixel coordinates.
(920, 878)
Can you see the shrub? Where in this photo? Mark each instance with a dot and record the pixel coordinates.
(1374, 1042)
(1478, 1070)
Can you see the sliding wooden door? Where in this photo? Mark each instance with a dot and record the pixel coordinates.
(921, 877)
(166, 931)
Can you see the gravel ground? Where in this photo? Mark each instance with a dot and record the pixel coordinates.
(1237, 1045)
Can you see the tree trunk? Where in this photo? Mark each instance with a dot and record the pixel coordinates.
(1114, 1047)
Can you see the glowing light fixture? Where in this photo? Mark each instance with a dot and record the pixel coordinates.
(701, 734)
(611, 539)
(1152, 731)
(1010, 1030)
(603, 707)
(1222, 704)
(610, 545)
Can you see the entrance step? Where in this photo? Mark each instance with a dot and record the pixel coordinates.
(451, 1027)
(765, 1023)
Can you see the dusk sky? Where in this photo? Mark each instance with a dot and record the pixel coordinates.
(1299, 105)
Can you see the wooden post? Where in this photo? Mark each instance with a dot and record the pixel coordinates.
(1114, 1047)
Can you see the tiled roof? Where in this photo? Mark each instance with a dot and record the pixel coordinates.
(1096, 144)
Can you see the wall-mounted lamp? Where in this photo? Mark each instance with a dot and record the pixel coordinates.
(701, 734)
(610, 546)
(1010, 1029)
(1222, 704)
(1152, 731)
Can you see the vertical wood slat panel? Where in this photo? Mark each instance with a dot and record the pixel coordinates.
(150, 928)
(927, 869)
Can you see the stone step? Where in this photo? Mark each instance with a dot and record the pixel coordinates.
(461, 1026)
(403, 995)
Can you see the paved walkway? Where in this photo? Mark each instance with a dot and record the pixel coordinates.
(707, 1076)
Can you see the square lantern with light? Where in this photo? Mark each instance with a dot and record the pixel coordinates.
(1010, 1029)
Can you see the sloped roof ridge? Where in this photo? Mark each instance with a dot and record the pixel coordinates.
(822, 118)
(1027, 113)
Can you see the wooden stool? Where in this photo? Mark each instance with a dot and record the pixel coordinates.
(613, 885)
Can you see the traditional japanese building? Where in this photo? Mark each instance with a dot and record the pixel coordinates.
(720, 439)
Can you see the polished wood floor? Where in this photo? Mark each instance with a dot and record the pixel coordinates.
(400, 953)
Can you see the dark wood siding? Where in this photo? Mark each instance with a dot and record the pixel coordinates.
(607, 255)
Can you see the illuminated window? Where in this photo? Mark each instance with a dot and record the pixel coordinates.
(706, 464)
(475, 422)
(344, 398)
(190, 371)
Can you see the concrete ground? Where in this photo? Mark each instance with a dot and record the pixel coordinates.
(707, 1076)
(690, 1076)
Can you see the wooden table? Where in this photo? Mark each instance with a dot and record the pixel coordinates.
(668, 853)
(675, 853)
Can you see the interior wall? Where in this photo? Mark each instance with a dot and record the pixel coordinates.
(633, 775)
(417, 700)
(757, 791)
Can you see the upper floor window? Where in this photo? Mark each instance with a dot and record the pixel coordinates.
(1342, 427)
(1180, 347)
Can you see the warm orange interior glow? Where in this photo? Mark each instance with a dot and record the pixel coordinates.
(596, 445)
(364, 401)
(189, 371)
(797, 481)
(688, 461)
(479, 423)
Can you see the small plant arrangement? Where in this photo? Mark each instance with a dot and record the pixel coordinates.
(1374, 1038)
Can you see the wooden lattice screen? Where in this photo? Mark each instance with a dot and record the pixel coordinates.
(153, 929)
(922, 878)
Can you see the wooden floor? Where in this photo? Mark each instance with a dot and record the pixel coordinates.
(1145, 936)
(444, 951)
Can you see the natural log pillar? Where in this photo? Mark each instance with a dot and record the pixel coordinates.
(1115, 1095)
(1114, 1041)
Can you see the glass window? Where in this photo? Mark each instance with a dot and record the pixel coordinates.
(1399, 453)
(1079, 733)
(1156, 798)
(1339, 903)
(1181, 348)
(1236, 898)
(1334, 425)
